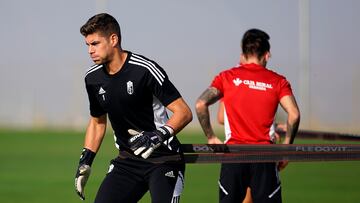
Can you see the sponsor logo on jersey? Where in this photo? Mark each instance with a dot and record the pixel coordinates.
(237, 81)
(102, 92)
(170, 174)
(258, 85)
(130, 87)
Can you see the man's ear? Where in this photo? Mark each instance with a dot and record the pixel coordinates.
(242, 58)
(267, 56)
(114, 40)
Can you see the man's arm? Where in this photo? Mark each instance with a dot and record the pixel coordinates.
(181, 115)
(288, 103)
(207, 98)
(290, 106)
(220, 114)
(94, 135)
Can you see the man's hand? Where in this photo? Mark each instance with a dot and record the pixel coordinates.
(81, 177)
(145, 143)
(83, 171)
(282, 165)
(214, 140)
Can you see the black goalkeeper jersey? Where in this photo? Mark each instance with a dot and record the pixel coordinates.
(134, 98)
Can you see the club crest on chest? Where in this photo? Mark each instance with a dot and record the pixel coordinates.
(130, 87)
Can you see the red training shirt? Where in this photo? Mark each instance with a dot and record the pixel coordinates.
(251, 94)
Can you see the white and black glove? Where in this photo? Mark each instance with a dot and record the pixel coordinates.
(83, 171)
(145, 143)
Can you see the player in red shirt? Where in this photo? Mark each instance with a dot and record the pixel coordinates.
(251, 94)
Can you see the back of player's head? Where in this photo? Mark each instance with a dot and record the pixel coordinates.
(255, 42)
(103, 24)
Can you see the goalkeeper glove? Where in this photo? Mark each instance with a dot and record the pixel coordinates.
(145, 143)
(83, 171)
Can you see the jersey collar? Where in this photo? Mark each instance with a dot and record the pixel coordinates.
(252, 66)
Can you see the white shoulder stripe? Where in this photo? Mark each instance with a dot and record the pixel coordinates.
(154, 70)
(94, 65)
(149, 62)
(92, 69)
(147, 67)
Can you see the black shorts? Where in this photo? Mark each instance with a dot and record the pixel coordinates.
(128, 180)
(262, 178)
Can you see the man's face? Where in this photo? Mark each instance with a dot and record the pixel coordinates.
(99, 48)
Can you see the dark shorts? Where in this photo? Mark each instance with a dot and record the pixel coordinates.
(262, 178)
(128, 180)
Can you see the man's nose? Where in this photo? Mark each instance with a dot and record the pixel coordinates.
(91, 49)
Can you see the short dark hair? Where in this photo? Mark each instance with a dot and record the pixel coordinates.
(103, 23)
(255, 42)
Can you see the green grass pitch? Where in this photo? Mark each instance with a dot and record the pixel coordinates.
(39, 167)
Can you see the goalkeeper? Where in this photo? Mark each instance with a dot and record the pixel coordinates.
(134, 92)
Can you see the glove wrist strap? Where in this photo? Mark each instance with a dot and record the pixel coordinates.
(165, 132)
(170, 129)
(87, 157)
